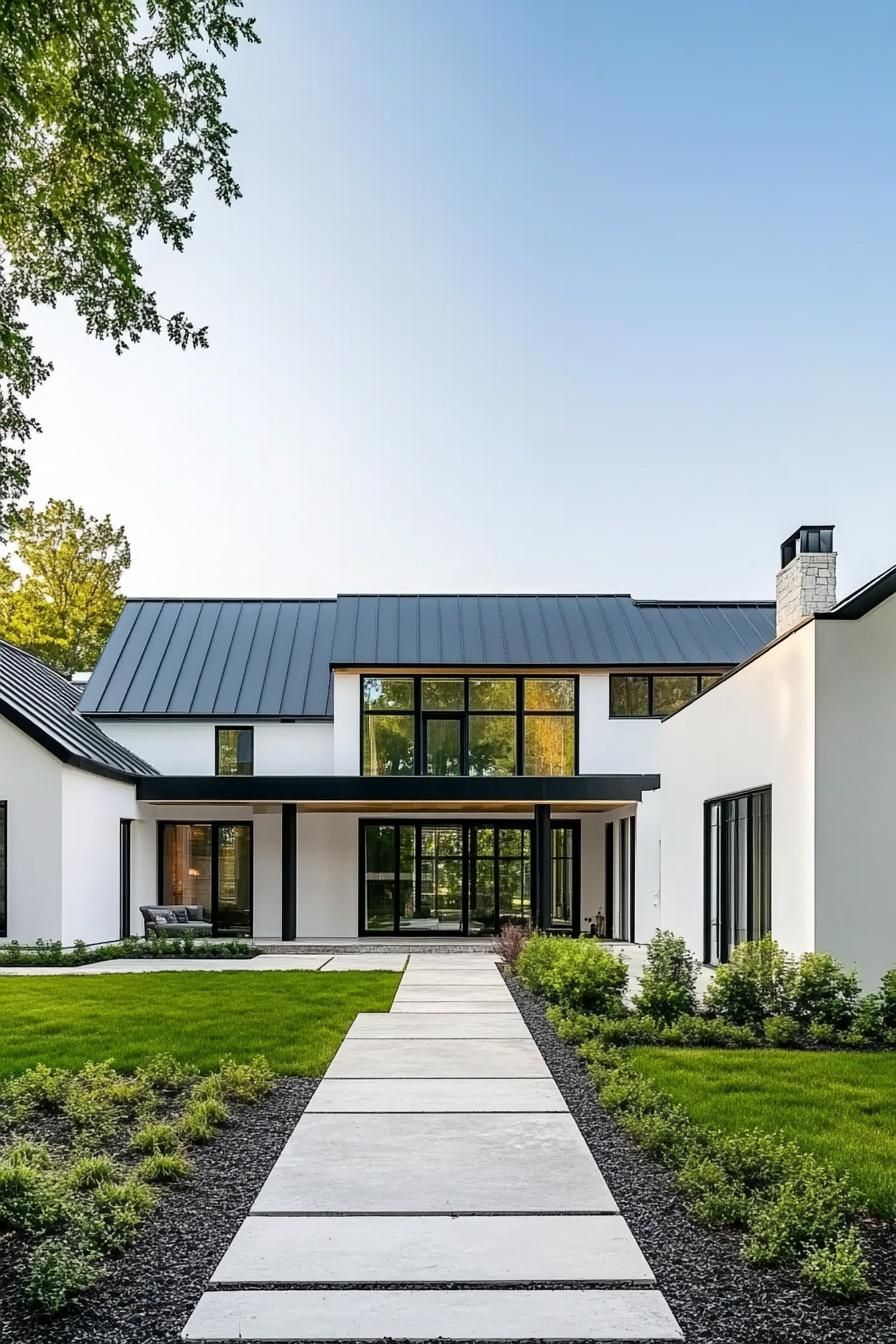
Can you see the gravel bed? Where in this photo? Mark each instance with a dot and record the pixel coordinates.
(716, 1296)
(148, 1293)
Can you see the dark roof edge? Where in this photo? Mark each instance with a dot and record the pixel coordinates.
(63, 754)
(329, 600)
(533, 669)
(765, 603)
(137, 716)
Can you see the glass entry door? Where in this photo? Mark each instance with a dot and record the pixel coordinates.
(461, 877)
(209, 864)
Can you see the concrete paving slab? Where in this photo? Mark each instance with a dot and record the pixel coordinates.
(131, 965)
(433, 1250)
(420, 993)
(366, 961)
(436, 1094)
(473, 1314)
(435, 1164)
(457, 1007)
(438, 1059)
(462, 960)
(420, 980)
(433, 1026)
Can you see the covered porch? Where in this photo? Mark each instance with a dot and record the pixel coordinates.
(402, 859)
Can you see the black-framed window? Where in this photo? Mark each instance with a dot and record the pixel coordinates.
(124, 877)
(653, 695)
(620, 838)
(737, 871)
(234, 751)
(3, 869)
(461, 877)
(208, 864)
(469, 725)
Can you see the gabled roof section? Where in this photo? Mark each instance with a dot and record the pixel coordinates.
(864, 599)
(44, 704)
(564, 630)
(216, 659)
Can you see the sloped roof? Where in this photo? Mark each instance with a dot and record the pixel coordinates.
(44, 704)
(267, 658)
(217, 658)
(575, 630)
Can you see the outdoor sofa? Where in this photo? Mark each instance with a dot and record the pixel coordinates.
(176, 920)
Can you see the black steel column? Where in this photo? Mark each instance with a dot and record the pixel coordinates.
(542, 865)
(288, 869)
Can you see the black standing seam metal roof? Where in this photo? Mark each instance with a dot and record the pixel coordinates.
(575, 630)
(272, 659)
(224, 658)
(44, 704)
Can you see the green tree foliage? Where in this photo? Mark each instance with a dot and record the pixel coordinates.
(59, 590)
(110, 112)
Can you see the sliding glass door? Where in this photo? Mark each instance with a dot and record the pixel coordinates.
(461, 877)
(209, 864)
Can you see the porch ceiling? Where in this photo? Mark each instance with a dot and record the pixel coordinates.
(401, 792)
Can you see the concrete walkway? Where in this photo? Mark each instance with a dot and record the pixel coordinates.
(437, 1153)
(368, 961)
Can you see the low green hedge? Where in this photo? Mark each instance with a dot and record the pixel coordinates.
(791, 1208)
(187, 945)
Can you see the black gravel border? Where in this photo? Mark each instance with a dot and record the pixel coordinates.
(148, 1293)
(716, 1296)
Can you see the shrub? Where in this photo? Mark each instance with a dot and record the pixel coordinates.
(572, 1027)
(663, 1134)
(56, 1271)
(510, 942)
(714, 1197)
(156, 1137)
(838, 1270)
(575, 972)
(36, 1089)
(888, 1000)
(89, 1172)
(164, 1073)
(819, 1033)
(634, 1030)
(707, 1031)
(784, 1032)
(669, 982)
(806, 1210)
(758, 982)
(241, 1082)
(160, 1168)
(31, 1197)
(824, 992)
(118, 1209)
(868, 1021)
(201, 1119)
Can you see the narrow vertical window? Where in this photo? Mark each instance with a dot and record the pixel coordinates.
(124, 877)
(737, 878)
(3, 853)
(234, 751)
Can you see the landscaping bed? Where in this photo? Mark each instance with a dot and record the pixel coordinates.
(150, 1289)
(153, 948)
(717, 1297)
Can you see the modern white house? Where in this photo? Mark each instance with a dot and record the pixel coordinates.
(368, 766)
(776, 797)
(403, 766)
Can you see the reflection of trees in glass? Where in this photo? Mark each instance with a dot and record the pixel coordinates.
(630, 697)
(549, 744)
(549, 693)
(492, 744)
(385, 693)
(234, 751)
(442, 693)
(388, 744)
(671, 693)
(492, 693)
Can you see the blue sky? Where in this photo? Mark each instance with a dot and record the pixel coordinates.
(557, 296)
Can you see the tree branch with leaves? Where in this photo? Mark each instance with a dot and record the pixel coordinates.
(110, 113)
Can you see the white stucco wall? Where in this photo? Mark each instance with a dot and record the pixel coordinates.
(327, 875)
(755, 729)
(346, 723)
(613, 746)
(31, 786)
(92, 809)
(187, 746)
(855, 910)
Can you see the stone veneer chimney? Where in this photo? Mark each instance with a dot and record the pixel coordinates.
(807, 579)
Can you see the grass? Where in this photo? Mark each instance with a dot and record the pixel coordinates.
(296, 1019)
(839, 1105)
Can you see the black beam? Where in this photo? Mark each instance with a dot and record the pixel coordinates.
(525, 790)
(542, 865)
(289, 874)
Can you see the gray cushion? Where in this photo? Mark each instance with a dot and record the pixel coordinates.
(181, 914)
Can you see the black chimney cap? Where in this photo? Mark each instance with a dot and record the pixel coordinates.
(816, 538)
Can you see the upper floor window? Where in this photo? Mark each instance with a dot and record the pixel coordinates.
(478, 725)
(646, 695)
(234, 751)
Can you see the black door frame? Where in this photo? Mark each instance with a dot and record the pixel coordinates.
(468, 826)
(455, 715)
(216, 827)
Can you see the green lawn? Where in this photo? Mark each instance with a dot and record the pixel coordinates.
(841, 1106)
(297, 1019)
